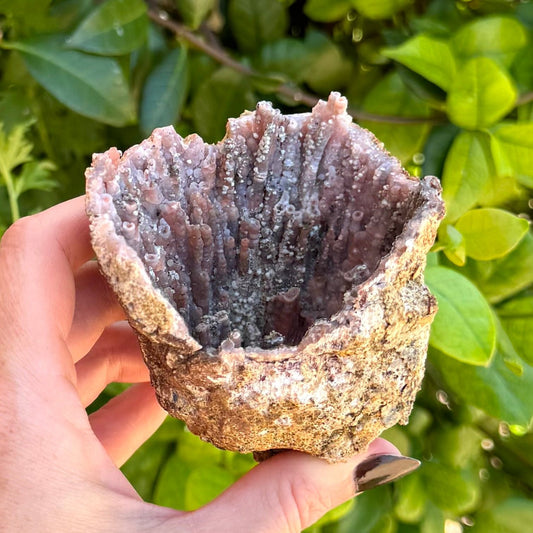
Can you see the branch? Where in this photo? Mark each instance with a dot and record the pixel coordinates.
(162, 19)
(525, 98)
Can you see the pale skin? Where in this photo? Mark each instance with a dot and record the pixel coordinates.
(63, 338)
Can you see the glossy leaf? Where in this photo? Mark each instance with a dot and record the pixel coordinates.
(165, 91)
(430, 57)
(328, 68)
(481, 94)
(92, 86)
(453, 490)
(490, 233)
(516, 144)
(467, 172)
(516, 316)
(496, 389)
(327, 10)
(390, 96)
(501, 278)
(379, 9)
(204, 484)
(511, 516)
(225, 94)
(457, 445)
(372, 513)
(454, 244)
(497, 37)
(505, 347)
(463, 327)
(114, 27)
(170, 483)
(289, 57)
(194, 12)
(143, 467)
(411, 502)
(437, 147)
(255, 22)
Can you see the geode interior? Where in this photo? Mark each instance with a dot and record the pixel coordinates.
(254, 252)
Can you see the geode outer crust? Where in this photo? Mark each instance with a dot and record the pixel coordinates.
(351, 373)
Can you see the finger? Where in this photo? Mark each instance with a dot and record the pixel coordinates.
(290, 492)
(96, 307)
(116, 357)
(126, 421)
(38, 255)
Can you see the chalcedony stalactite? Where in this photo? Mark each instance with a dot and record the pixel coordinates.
(275, 280)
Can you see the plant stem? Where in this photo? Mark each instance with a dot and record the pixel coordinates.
(11, 193)
(221, 56)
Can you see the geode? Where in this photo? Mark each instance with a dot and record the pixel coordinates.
(275, 279)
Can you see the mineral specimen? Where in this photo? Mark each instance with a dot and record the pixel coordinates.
(275, 280)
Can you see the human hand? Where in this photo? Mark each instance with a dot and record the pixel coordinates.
(62, 340)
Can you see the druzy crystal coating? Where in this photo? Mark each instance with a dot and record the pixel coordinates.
(243, 263)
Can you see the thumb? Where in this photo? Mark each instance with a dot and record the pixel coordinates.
(292, 490)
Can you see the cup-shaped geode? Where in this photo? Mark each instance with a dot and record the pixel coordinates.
(275, 280)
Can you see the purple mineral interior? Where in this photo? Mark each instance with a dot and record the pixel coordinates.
(254, 239)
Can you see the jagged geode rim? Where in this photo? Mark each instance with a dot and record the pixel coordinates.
(155, 317)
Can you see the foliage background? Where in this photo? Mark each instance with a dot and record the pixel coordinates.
(447, 86)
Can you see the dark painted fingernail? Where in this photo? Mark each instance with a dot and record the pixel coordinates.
(380, 469)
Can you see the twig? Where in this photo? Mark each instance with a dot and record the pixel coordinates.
(525, 98)
(297, 95)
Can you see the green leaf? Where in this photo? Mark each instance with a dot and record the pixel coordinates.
(35, 175)
(463, 327)
(372, 513)
(516, 144)
(335, 514)
(26, 15)
(454, 244)
(255, 22)
(15, 149)
(497, 37)
(480, 94)
(467, 172)
(92, 86)
(194, 12)
(114, 27)
(437, 147)
(327, 10)
(505, 347)
(171, 482)
(143, 467)
(516, 316)
(452, 490)
(225, 94)
(411, 500)
(491, 233)
(511, 516)
(329, 68)
(391, 97)
(457, 446)
(289, 57)
(497, 390)
(379, 9)
(165, 91)
(195, 452)
(434, 520)
(501, 278)
(204, 484)
(430, 57)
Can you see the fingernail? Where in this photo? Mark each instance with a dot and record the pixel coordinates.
(380, 469)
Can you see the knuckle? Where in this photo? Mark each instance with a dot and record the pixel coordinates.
(16, 237)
